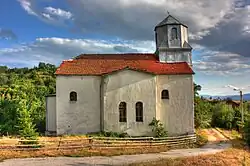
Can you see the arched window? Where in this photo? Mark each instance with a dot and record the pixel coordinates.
(139, 111)
(174, 33)
(73, 96)
(122, 112)
(165, 94)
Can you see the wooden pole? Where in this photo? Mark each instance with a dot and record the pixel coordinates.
(242, 108)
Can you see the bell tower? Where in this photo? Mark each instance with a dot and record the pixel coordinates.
(171, 37)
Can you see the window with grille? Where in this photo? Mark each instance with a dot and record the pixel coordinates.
(122, 112)
(139, 111)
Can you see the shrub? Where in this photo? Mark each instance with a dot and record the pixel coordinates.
(25, 125)
(223, 116)
(157, 128)
(247, 131)
(202, 113)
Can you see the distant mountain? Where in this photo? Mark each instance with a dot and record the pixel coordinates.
(233, 97)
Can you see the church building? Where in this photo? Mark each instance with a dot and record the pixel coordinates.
(124, 92)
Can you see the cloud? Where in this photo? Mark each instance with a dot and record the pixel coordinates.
(28, 6)
(7, 34)
(223, 25)
(221, 63)
(219, 31)
(54, 50)
(231, 34)
(48, 14)
(58, 12)
(123, 19)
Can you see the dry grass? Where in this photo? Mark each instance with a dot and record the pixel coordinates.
(42, 138)
(231, 157)
(6, 154)
(238, 155)
(201, 139)
(9, 154)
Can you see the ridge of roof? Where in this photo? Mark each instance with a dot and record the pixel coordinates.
(117, 56)
(169, 20)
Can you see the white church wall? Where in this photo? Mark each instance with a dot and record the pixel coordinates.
(184, 35)
(82, 116)
(130, 87)
(51, 113)
(177, 112)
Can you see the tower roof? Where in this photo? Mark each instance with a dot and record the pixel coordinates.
(187, 45)
(170, 20)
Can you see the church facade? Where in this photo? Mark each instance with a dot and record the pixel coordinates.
(124, 92)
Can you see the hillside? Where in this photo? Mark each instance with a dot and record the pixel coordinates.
(233, 97)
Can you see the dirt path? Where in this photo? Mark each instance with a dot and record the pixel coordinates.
(214, 135)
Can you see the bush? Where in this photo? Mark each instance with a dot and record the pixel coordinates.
(223, 116)
(246, 129)
(157, 128)
(25, 125)
(202, 113)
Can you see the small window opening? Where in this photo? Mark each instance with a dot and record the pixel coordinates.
(73, 96)
(139, 111)
(122, 112)
(165, 94)
(174, 33)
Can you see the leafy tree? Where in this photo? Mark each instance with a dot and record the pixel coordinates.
(3, 69)
(22, 98)
(196, 89)
(223, 116)
(8, 116)
(25, 125)
(202, 113)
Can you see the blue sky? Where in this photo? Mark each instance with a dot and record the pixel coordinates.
(32, 31)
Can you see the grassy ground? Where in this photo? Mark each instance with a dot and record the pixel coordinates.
(7, 154)
(14, 140)
(238, 155)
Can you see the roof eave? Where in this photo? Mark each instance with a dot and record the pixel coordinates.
(157, 26)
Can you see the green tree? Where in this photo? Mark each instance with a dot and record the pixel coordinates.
(8, 116)
(196, 89)
(29, 86)
(246, 129)
(202, 113)
(223, 116)
(25, 125)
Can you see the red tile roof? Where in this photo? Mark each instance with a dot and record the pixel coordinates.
(99, 64)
